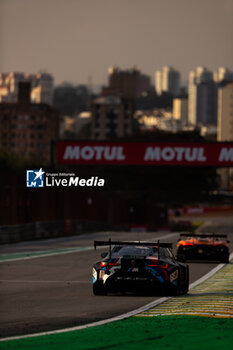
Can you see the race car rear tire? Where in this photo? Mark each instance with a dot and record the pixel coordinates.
(185, 287)
(183, 284)
(98, 288)
(225, 258)
(173, 291)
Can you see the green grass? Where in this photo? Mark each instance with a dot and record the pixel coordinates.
(138, 333)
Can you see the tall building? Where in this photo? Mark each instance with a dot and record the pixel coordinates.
(112, 117)
(27, 129)
(126, 83)
(223, 75)
(202, 99)
(180, 109)
(159, 82)
(225, 112)
(42, 87)
(167, 80)
(225, 128)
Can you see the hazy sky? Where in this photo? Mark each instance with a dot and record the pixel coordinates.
(75, 39)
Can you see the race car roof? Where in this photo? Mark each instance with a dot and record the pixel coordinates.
(204, 235)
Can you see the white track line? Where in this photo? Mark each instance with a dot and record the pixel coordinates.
(99, 323)
(41, 281)
(46, 255)
(209, 274)
(75, 250)
(120, 317)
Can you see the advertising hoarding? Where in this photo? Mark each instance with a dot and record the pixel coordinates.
(145, 153)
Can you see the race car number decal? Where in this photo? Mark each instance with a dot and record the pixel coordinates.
(173, 276)
(94, 275)
(101, 274)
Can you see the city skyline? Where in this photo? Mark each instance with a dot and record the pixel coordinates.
(76, 40)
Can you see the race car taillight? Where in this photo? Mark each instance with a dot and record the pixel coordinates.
(110, 263)
(113, 262)
(164, 266)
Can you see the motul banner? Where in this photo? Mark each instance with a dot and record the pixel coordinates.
(136, 153)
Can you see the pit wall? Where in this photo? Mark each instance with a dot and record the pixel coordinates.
(201, 210)
(43, 230)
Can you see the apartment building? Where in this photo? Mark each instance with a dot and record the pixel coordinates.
(112, 117)
(225, 128)
(225, 112)
(42, 87)
(126, 83)
(26, 128)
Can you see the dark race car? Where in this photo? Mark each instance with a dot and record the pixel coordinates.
(139, 267)
(209, 247)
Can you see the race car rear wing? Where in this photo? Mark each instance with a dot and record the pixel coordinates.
(145, 244)
(110, 243)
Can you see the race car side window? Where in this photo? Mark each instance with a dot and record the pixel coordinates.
(166, 253)
(170, 253)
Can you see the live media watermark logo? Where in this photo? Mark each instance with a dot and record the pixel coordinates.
(39, 178)
(35, 178)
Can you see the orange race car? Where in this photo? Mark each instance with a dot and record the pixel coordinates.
(212, 247)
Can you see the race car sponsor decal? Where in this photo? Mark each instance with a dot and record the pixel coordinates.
(160, 275)
(133, 269)
(127, 278)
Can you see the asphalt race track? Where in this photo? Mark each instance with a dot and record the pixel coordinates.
(53, 292)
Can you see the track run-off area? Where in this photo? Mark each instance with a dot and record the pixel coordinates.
(46, 286)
